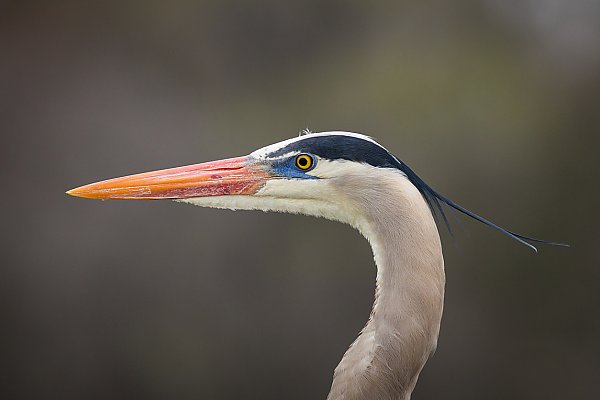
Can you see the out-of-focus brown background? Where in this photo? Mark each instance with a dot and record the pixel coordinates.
(495, 103)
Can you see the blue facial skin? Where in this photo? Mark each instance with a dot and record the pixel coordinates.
(286, 167)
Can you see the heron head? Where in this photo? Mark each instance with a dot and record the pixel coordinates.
(336, 175)
(315, 174)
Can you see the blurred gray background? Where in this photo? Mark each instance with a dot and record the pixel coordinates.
(495, 103)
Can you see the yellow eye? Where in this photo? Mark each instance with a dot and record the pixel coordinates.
(304, 162)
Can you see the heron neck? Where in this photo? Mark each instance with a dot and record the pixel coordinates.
(385, 360)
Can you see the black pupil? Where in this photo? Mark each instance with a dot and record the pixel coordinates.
(303, 161)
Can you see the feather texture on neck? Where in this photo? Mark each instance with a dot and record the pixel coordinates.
(385, 360)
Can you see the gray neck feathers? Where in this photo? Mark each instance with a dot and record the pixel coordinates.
(385, 360)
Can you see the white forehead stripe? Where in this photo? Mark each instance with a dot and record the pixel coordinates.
(262, 152)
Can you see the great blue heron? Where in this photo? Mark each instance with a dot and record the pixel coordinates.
(347, 177)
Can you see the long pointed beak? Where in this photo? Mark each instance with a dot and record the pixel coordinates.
(234, 176)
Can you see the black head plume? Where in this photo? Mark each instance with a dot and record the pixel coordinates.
(437, 202)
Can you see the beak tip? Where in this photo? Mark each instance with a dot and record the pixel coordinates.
(77, 192)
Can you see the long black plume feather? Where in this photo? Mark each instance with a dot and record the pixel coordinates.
(434, 199)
